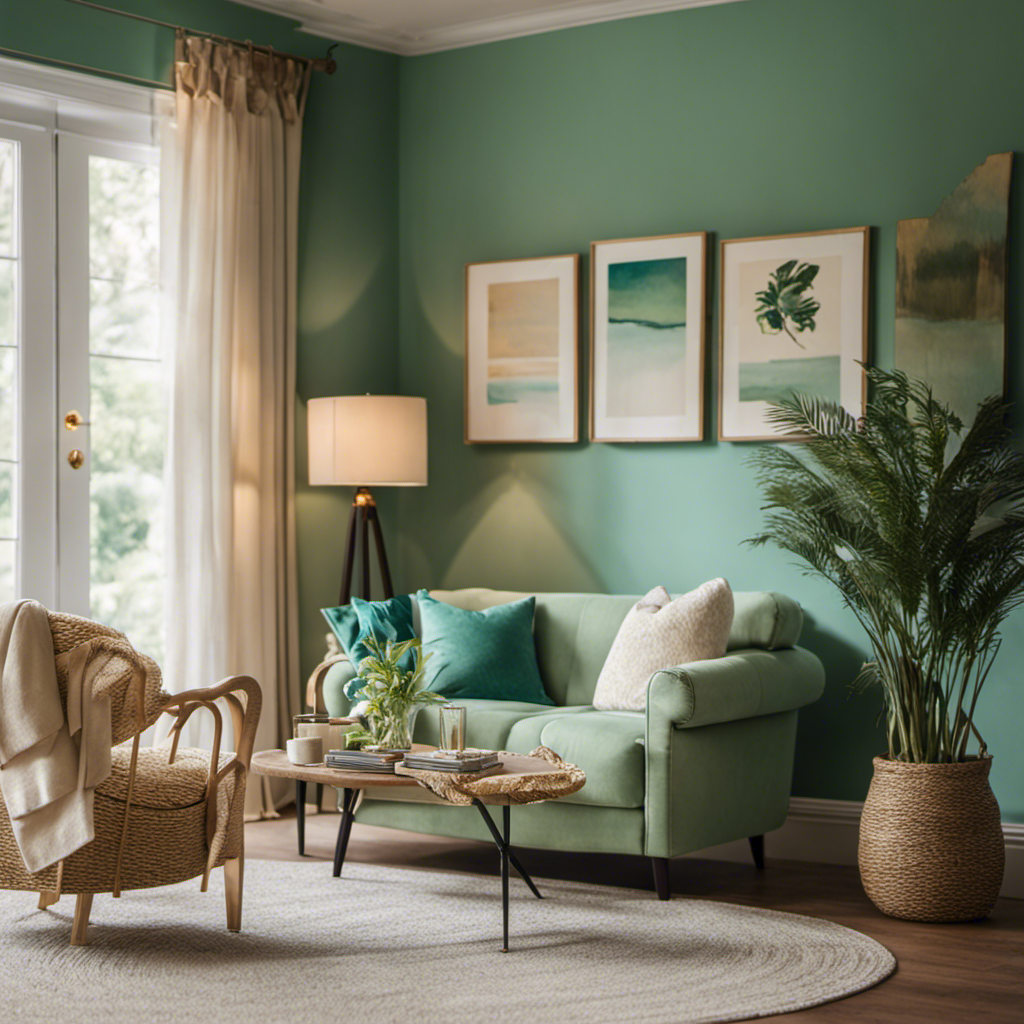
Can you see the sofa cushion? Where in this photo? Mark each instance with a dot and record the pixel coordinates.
(765, 619)
(487, 721)
(659, 633)
(574, 632)
(385, 620)
(607, 745)
(344, 623)
(483, 654)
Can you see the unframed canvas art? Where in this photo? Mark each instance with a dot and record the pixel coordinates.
(647, 340)
(951, 290)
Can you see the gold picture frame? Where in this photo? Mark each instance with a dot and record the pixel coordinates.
(648, 300)
(811, 341)
(521, 376)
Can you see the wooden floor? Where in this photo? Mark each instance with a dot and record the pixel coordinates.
(947, 973)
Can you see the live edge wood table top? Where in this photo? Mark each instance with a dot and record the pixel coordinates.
(276, 763)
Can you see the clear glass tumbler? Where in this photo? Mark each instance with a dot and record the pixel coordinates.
(453, 727)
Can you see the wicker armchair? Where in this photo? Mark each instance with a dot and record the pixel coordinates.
(164, 814)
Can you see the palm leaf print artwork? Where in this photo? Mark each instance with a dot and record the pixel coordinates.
(785, 305)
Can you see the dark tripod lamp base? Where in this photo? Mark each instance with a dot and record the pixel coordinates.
(361, 520)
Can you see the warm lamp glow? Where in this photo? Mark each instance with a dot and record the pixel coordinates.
(368, 441)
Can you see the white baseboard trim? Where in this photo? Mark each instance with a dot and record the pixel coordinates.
(826, 831)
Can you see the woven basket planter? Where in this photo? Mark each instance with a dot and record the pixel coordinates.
(931, 842)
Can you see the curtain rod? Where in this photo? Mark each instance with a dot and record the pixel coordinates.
(326, 64)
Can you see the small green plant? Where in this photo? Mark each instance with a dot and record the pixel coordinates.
(784, 304)
(391, 692)
(920, 526)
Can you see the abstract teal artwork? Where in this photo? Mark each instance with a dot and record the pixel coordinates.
(951, 290)
(647, 338)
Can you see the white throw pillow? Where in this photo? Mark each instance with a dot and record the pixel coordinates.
(659, 633)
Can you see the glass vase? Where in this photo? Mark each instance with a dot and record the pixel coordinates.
(393, 732)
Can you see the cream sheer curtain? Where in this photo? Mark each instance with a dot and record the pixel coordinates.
(231, 180)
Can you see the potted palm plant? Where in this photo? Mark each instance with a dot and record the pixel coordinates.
(920, 526)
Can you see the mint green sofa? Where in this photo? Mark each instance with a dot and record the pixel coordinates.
(709, 761)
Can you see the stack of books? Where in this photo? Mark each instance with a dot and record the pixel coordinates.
(453, 760)
(380, 761)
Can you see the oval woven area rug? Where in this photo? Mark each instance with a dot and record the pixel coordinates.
(386, 945)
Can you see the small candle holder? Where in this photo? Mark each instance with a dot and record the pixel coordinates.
(330, 730)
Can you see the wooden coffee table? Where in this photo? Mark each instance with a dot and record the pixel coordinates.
(352, 783)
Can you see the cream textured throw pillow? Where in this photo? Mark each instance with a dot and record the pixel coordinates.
(659, 633)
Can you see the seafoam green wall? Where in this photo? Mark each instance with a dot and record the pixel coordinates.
(348, 265)
(745, 119)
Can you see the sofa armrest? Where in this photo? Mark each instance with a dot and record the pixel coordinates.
(743, 684)
(315, 683)
(325, 690)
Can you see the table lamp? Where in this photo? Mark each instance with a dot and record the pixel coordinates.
(367, 441)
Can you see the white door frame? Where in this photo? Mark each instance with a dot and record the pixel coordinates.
(36, 567)
(37, 104)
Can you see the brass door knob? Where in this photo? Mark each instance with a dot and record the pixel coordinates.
(76, 458)
(73, 420)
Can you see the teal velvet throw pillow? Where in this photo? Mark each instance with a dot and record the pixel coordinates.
(386, 620)
(487, 654)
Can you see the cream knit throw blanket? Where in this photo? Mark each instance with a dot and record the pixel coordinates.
(50, 766)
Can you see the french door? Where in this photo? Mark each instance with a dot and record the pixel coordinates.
(28, 401)
(82, 421)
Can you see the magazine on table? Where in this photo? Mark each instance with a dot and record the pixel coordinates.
(469, 760)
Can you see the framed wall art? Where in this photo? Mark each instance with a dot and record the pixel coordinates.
(647, 338)
(793, 319)
(521, 350)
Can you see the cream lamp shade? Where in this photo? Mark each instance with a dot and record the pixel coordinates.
(368, 441)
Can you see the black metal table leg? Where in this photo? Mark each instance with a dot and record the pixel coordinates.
(348, 807)
(506, 817)
(513, 859)
(503, 840)
(300, 814)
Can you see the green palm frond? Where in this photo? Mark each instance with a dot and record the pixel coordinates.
(920, 526)
(389, 691)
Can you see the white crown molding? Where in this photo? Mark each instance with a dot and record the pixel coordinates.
(318, 20)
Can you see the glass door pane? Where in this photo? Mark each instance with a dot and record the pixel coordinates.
(9, 338)
(126, 387)
(111, 372)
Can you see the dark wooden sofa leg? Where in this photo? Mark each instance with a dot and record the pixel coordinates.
(757, 849)
(660, 866)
